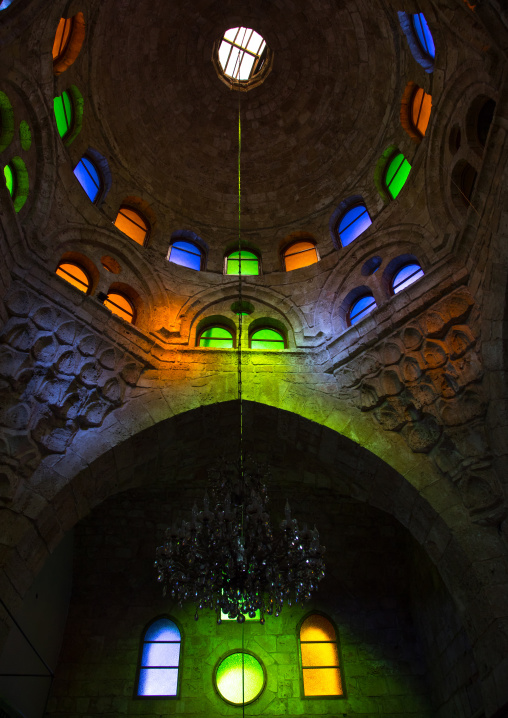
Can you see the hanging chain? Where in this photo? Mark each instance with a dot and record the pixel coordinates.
(240, 302)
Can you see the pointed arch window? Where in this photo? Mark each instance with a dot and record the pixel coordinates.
(160, 660)
(133, 224)
(319, 653)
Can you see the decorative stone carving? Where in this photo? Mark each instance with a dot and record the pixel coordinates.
(56, 378)
(425, 382)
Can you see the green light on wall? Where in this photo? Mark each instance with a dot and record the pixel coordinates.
(228, 678)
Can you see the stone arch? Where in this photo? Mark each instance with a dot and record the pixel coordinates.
(320, 458)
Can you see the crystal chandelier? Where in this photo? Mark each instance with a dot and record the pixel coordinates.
(228, 558)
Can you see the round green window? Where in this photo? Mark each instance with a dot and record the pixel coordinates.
(232, 686)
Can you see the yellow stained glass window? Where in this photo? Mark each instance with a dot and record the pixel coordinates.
(120, 305)
(320, 657)
(133, 224)
(73, 274)
(300, 254)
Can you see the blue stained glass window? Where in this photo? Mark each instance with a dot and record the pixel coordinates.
(361, 308)
(424, 34)
(185, 254)
(5, 4)
(355, 221)
(88, 177)
(406, 276)
(160, 659)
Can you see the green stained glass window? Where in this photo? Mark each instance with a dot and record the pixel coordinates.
(397, 172)
(9, 179)
(216, 338)
(239, 678)
(63, 113)
(245, 261)
(267, 339)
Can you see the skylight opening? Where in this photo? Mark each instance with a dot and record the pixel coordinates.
(242, 57)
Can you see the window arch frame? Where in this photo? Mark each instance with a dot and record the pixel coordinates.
(339, 667)
(141, 216)
(215, 325)
(139, 667)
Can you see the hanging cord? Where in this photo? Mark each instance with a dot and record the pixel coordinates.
(240, 322)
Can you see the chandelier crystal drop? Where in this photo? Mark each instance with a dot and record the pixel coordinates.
(227, 557)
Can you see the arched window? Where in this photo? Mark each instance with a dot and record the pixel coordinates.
(186, 254)
(89, 178)
(320, 657)
(415, 110)
(133, 224)
(424, 35)
(396, 173)
(244, 261)
(5, 4)
(6, 122)
(300, 254)
(419, 39)
(353, 222)
(69, 37)
(16, 180)
(406, 275)
(267, 338)
(160, 660)
(68, 109)
(360, 308)
(75, 275)
(121, 305)
(216, 338)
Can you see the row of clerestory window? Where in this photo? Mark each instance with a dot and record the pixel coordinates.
(161, 650)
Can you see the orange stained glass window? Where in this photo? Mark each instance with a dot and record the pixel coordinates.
(120, 305)
(320, 657)
(133, 224)
(73, 274)
(62, 36)
(421, 107)
(300, 254)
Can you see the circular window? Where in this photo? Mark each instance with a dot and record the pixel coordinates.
(240, 678)
(242, 58)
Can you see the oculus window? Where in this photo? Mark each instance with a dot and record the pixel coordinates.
(267, 339)
(405, 276)
(242, 262)
(300, 254)
(186, 254)
(216, 338)
(133, 224)
(239, 678)
(360, 308)
(242, 58)
(160, 660)
(320, 658)
(75, 275)
(353, 223)
(120, 305)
